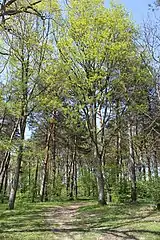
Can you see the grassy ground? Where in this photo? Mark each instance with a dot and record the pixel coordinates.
(81, 220)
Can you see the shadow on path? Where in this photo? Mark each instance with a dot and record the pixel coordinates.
(79, 221)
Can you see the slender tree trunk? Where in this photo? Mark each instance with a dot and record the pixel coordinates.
(132, 165)
(15, 182)
(149, 167)
(109, 195)
(144, 172)
(119, 157)
(155, 164)
(54, 157)
(5, 186)
(67, 173)
(6, 161)
(4, 171)
(35, 182)
(100, 181)
(46, 186)
(155, 160)
(118, 143)
(14, 185)
(148, 161)
(73, 187)
(72, 183)
(75, 180)
(69, 179)
(100, 184)
(75, 170)
(100, 159)
(29, 175)
(45, 167)
(4, 190)
(89, 185)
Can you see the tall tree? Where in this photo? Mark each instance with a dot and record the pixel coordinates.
(101, 56)
(23, 43)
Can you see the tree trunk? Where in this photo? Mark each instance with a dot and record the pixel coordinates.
(100, 184)
(75, 180)
(45, 167)
(6, 161)
(132, 165)
(148, 162)
(14, 185)
(54, 157)
(149, 168)
(15, 182)
(4, 171)
(73, 188)
(144, 172)
(72, 183)
(155, 164)
(5, 186)
(35, 183)
(67, 175)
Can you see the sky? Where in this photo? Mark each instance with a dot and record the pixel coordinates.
(138, 8)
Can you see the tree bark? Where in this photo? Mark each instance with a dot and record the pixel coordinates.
(45, 167)
(6, 161)
(100, 184)
(14, 185)
(68, 170)
(35, 182)
(132, 165)
(54, 156)
(15, 182)
(72, 183)
(4, 170)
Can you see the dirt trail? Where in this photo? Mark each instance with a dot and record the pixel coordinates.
(67, 224)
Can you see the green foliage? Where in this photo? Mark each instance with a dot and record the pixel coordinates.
(87, 183)
(149, 190)
(144, 190)
(78, 67)
(121, 191)
(154, 188)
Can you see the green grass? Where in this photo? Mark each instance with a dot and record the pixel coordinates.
(139, 221)
(28, 222)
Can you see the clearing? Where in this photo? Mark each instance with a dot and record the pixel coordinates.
(80, 220)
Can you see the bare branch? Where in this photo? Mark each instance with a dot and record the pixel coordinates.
(9, 3)
(4, 11)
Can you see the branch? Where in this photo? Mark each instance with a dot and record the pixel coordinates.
(9, 3)
(12, 12)
(4, 54)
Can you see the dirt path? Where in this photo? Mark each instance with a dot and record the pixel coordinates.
(67, 223)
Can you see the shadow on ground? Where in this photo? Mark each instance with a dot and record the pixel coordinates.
(79, 221)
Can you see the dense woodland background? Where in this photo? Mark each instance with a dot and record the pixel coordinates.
(82, 82)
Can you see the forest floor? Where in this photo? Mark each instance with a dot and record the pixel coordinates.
(80, 220)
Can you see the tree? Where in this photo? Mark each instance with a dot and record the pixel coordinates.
(101, 56)
(89, 93)
(23, 59)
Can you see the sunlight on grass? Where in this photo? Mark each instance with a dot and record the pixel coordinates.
(138, 220)
(89, 221)
(26, 222)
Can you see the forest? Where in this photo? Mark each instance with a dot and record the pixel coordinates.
(79, 104)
